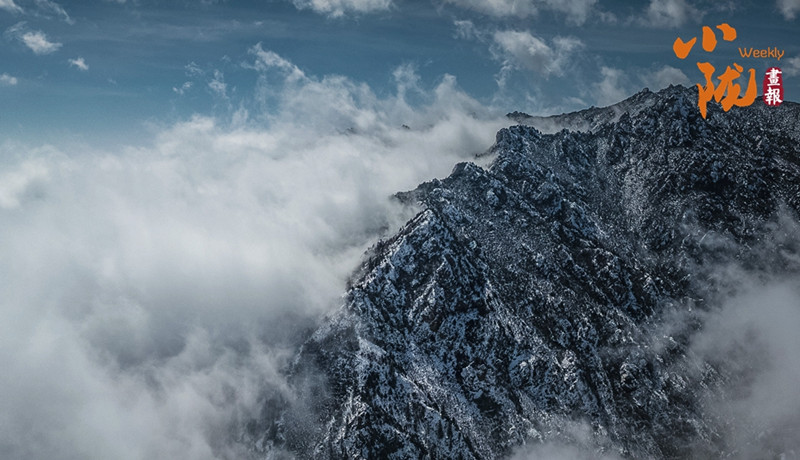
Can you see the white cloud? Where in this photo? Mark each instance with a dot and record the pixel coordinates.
(7, 80)
(523, 50)
(663, 77)
(574, 440)
(9, 5)
(38, 43)
(614, 86)
(36, 40)
(407, 80)
(214, 80)
(80, 63)
(150, 293)
(498, 8)
(48, 7)
(45, 8)
(576, 11)
(338, 8)
(217, 85)
(753, 337)
(266, 60)
(186, 86)
(193, 70)
(465, 29)
(15, 184)
(792, 66)
(559, 451)
(670, 13)
(788, 8)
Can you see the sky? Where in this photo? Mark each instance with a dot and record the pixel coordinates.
(113, 71)
(186, 186)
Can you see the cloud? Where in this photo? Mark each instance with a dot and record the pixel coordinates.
(36, 40)
(663, 77)
(741, 362)
(574, 441)
(217, 85)
(38, 43)
(614, 86)
(407, 80)
(522, 50)
(788, 8)
(10, 6)
(7, 80)
(48, 7)
(557, 451)
(152, 293)
(267, 60)
(80, 63)
(15, 184)
(186, 86)
(338, 8)
(465, 29)
(193, 70)
(576, 11)
(214, 80)
(792, 66)
(670, 13)
(498, 8)
(753, 339)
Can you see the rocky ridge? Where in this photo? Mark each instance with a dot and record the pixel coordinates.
(534, 300)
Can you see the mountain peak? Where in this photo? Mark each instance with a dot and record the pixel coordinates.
(673, 99)
(532, 296)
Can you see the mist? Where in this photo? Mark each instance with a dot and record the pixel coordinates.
(153, 293)
(749, 338)
(753, 340)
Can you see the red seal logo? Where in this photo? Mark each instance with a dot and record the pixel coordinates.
(773, 87)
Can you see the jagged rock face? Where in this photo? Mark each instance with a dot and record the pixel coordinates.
(533, 294)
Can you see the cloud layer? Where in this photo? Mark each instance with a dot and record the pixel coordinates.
(753, 339)
(152, 294)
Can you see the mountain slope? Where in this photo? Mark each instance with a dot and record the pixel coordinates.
(535, 300)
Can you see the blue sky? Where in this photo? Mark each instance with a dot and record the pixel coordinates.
(108, 71)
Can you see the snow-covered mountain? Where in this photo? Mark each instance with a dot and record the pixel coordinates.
(553, 296)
